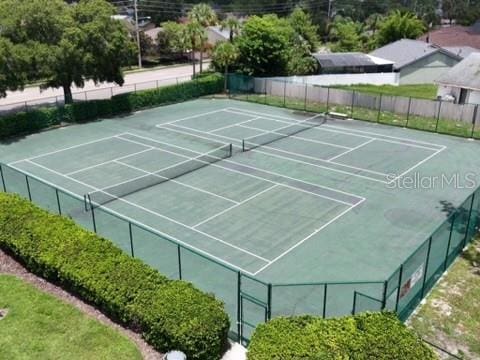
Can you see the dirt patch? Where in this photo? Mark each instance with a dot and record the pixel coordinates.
(3, 313)
(10, 266)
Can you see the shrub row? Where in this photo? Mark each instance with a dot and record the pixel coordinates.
(34, 120)
(363, 336)
(170, 314)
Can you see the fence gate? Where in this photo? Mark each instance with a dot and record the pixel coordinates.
(252, 313)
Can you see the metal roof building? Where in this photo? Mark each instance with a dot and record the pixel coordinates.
(351, 63)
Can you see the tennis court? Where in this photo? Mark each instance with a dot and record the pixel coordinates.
(281, 196)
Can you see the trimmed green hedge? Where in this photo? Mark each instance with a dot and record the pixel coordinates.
(170, 314)
(364, 336)
(31, 121)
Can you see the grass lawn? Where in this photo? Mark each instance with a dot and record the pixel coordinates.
(420, 91)
(39, 326)
(451, 316)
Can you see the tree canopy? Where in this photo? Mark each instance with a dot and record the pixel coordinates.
(63, 44)
(399, 25)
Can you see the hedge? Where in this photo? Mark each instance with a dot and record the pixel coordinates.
(170, 314)
(34, 120)
(364, 336)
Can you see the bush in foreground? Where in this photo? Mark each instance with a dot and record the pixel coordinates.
(170, 314)
(34, 120)
(364, 336)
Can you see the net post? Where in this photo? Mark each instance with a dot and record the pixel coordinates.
(179, 255)
(230, 150)
(384, 295)
(354, 301)
(239, 319)
(474, 120)
(269, 302)
(92, 210)
(379, 108)
(438, 114)
(324, 311)
(4, 187)
(243, 145)
(58, 202)
(445, 264)
(130, 234)
(426, 266)
(28, 188)
(400, 275)
(468, 221)
(408, 110)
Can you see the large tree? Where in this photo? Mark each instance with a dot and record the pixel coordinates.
(67, 44)
(225, 54)
(399, 25)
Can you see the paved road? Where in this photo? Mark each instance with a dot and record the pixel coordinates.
(143, 79)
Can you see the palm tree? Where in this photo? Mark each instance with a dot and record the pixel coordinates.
(194, 35)
(232, 24)
(203, 15)
(225, 54)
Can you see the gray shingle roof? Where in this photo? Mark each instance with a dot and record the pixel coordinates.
(466, 74)
(404, 52)
(462, 51)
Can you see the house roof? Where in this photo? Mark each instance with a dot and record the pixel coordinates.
(462, 51)
(406, 51)
(153, 33)
(455, 36)
(328, 60)
(225, 33)
(466, 74)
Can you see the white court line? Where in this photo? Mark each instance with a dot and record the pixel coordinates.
(179, 183)
(64, 149)
(298, 137)
(352, 149)
(347, 131)
(137, 224)
(290, 159)
(229, 126)
(308, 237)
(234, 206)
(150, 148)
(151, 212)
(261, 170)
(196, 116)
(418, 164)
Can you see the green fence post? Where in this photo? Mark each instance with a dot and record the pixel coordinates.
(305, 100)
(3, 179)
(58, 202)
(130, 234)
(426, 266)
(408, 110)
(239, 300)
(384, 295)
(449, 241)
(438, 115)
(28, 188)
(353, 102)
(468, 221)
(324, 312)
(354, 301)
(379, 109)
(400, 275)
(328, 97)
(179, 254)
(474, 120)
(269, 302)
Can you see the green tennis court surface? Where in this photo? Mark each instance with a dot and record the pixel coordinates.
(310, 200)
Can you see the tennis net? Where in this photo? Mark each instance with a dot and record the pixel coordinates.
(115, 192)
(281, 133)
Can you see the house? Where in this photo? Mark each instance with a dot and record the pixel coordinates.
(351, 63)
(455, 36)
(461, 51)
(216, 34)
(462, 82)
(153, 34)
(417, 62)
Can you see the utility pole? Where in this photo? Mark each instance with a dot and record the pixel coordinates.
(329, 15)
(137, 31)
